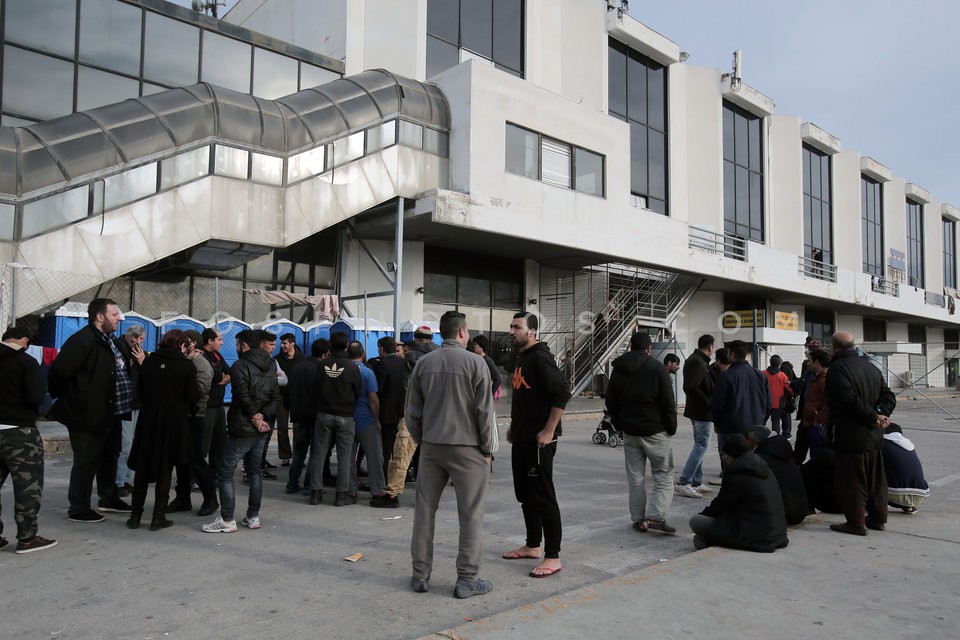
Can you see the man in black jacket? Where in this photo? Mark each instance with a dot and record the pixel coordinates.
(21, 449)
(642, 405)
(337, 389)
(90, 380)
(540, 395)
(698, 388)
(255, 400)
(388, 368)
(860, 404)
(288, 359)
(215, 417)
(741, 395)
(774, 449)
(303, 410)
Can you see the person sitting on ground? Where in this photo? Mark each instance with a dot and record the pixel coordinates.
(906, 486)
(776, 452)
(748, 511)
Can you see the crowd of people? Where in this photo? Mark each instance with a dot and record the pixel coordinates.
(428, 409)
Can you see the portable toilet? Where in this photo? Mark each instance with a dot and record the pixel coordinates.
(182, 322)
(282, 326)
(365, 331)
(63, 323)
(229, 327)
(408, 328)
(151, 330)
(314, 331)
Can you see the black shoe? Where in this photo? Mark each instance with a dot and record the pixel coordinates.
(266, 475)
(208, 507)
(385, 501)
(411, 477)
(846, 527)
(133, 522)
(268, 465)
(344, 499)
(179, 505)
(419, 586)
(660, 525)
(3, 542)
(876, 526)
(123, 492)
(159, 522)
(86, 516)
(115, 506)
(294, 489)
(316, 497)
(36, 543)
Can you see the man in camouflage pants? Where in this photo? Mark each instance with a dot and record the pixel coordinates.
(21, 449)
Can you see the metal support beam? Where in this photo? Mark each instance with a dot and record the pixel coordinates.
(398, 243)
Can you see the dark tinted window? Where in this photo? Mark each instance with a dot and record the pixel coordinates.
(492, 29)
(110, 35)
(476, 27)
(871, 217)
(914, 244)
(743, 173)
(874, 330)
(508, 34)
(443, 20)
(441, 55)
(949, 253)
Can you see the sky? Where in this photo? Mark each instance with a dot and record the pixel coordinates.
(883, 76)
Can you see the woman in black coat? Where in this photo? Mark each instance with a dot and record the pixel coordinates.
(167, 388)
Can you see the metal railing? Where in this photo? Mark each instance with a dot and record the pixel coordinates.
(818, 269)
(723, 244)
(885, 286)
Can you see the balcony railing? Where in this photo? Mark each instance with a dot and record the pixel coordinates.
(884, 286)
(718, 243)
(810, 268)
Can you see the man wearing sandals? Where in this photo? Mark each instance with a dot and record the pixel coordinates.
(641, 404)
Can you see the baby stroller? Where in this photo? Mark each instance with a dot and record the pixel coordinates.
(599, 437)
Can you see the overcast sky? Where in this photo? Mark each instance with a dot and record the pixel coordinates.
(881, 75)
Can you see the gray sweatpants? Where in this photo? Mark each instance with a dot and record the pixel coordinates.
(470, 473)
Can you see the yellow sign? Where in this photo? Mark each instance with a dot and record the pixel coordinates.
(742, 318)
(785, 320)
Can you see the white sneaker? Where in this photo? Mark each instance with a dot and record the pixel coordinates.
(221, 526)
(686, 490)
(703, 488)
(252, 522)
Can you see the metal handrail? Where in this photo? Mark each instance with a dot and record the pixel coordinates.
(879, 284)
(818, 269)
(710, 241)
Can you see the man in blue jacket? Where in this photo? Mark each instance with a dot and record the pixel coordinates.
(741, 396)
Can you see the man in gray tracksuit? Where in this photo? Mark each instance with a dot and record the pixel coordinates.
(449, 411)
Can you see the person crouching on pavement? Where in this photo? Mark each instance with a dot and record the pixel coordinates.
(906, 486)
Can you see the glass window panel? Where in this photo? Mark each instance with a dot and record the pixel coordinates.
(266, 169)
(411, 134)
(231, 162)
(149, 89)
(382, 136)
(274, 75)
(728, 127)
(506, 294)
(825, 179)
(806, 163)
(306, 164)
(45, 100)
(443, 19)
(756, 143)
(10, 121)
(54, 211)
(729, 192)
(7, 218)
(657, 168)
(741, 140)
(110, 35)
(523, 152)
(478, 318)
(184, 167)
(439, 288)
(589, 172)
(474, 291)
(555, 159)
(98, 88)
(636, 90)
(638, 159)
(226, 62)
(440, 56)
(171, 50)
(313, 76)
(814, 177)
(128, 186)
(657, 206)
(476, 27)
(49, 25)
(347, 149)
(656, 87)
(435, 142)
(617, 81)
(743, 196)
(508, 34)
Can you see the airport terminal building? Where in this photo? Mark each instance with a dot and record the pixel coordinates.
(411, 156)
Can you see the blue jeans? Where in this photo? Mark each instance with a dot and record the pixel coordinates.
(341, 429)
(126, 441)
(250, 450)
(693, 470)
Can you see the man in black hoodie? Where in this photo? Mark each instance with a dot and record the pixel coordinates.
(21, 449)
(337, 389)
(774, 449)
(641, 404)
(540, 394)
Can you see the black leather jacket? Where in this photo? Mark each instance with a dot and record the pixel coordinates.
(253, 380)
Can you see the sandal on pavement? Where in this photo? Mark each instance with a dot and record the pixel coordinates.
(544, 573)
(516, 555)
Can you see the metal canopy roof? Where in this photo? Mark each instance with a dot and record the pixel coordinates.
(61, 150)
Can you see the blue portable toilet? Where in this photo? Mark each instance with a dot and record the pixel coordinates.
(282, 326)
(184, 323)
(314, 331)
(408, 328)
(229, 327)
(151, 330)
(366, 331)
(63, 323)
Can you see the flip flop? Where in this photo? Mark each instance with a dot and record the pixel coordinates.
(545, 573)
(513, 555)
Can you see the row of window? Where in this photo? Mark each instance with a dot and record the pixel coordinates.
(131, 185)
(538, 157)
(489, 29)
(117, 51)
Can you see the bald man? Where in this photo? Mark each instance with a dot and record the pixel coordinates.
(860, 404)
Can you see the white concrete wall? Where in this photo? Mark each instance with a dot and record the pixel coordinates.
(894, 220)
(387, 34)
(851, 323)
(932, 247)
(784, 184)
(698, 123)
(846, 211)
